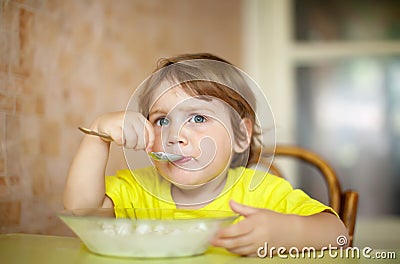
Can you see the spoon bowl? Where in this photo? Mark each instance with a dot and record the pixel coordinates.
(164, 156)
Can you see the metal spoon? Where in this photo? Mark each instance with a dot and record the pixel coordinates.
(164, 156)
(88, 131)
(159, 156)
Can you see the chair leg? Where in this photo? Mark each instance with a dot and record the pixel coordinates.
(349, 212)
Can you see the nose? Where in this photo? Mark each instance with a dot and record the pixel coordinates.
(176, 135)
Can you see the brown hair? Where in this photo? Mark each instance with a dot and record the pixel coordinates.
(227, 84)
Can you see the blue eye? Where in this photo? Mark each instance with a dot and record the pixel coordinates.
(162, 122)
(198, 119)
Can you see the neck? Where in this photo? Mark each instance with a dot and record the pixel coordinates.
(200, 196)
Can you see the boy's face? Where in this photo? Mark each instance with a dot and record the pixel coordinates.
(196, 128)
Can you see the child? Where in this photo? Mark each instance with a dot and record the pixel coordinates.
(199, 106)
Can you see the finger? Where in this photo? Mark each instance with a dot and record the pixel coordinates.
(131, 137)
(142, 135)
(248, 250)
(140, 131)
(150, 135)
(232, 243)
(116, 135)
(239, 229)
(242, 209)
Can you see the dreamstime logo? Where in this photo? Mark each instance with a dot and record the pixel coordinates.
(340, 251)
(341, 241)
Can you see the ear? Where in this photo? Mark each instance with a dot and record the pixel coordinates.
(246, 128)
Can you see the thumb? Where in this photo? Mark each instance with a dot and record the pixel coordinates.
(242, 209)
(149, 135)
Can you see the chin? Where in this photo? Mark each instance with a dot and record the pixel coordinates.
(185, 185)
(182, 179)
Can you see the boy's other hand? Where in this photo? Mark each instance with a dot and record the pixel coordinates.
(246, 236)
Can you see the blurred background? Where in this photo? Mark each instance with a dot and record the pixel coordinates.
(330, 69)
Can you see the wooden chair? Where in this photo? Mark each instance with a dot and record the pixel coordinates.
(345, 203)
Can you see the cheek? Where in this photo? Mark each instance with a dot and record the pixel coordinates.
(219, 144)
(224, 137)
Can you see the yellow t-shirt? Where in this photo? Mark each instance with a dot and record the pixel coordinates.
(144, 188)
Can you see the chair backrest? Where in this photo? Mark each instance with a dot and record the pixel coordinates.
(344, 203)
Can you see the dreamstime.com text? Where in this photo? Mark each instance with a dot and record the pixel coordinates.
(339, 251)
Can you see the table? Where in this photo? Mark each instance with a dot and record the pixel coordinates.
(378, 232)
(28, 248)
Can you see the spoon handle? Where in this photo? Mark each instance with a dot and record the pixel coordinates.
(88, 131)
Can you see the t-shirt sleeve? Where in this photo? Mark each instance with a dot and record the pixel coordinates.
(117, 190)
(298, 202)
(294, 201)
(138, 189)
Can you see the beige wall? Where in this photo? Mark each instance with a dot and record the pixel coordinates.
(64, 62)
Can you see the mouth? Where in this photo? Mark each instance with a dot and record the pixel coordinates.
(183, 160)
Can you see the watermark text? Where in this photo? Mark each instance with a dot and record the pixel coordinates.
(340, 251)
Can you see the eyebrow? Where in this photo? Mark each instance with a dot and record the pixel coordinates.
(191, 108)
(156, 112)
(187, 108)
